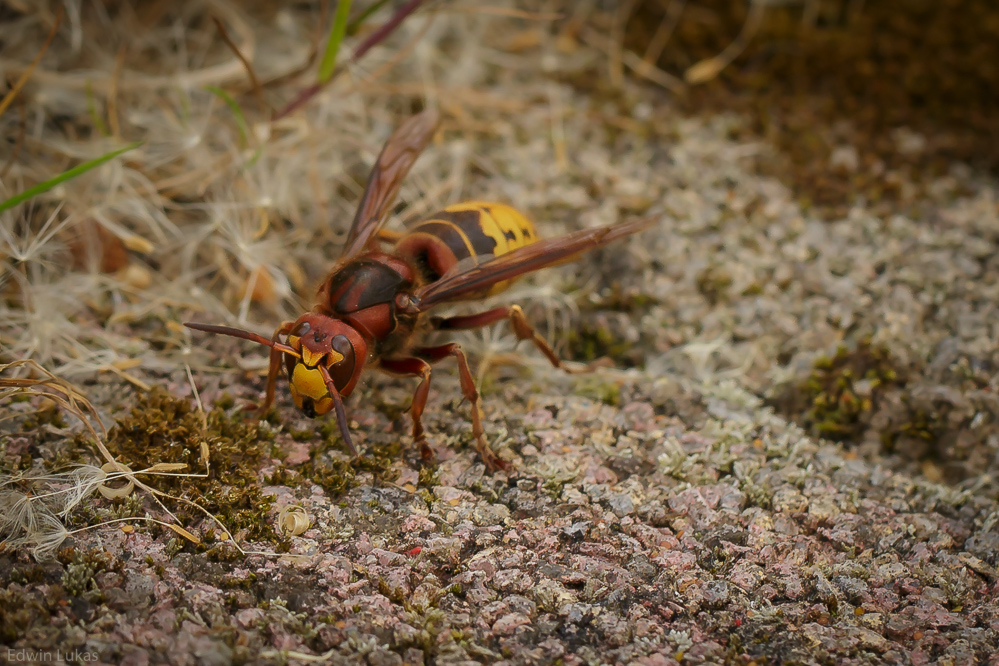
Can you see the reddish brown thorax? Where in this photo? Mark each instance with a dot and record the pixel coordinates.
(362, 292)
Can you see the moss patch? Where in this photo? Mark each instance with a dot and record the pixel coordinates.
(839, 397)
(713, 283)
(588, 343)
(162, 428)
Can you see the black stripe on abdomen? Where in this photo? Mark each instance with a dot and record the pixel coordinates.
(470, 222)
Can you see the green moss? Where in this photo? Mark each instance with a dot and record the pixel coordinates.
(50, 415)
(588, 343)
(379, 460)
(225, 401)
(334, 475)
(162, 428)
(598, 389)
(921, 424)
(283, 476)
(233, 582)
(24, 612)
(842, 391)
(429, 477)
(78, 577)
(391, 410)
(618, 301)
(303, 435)
(713, 283)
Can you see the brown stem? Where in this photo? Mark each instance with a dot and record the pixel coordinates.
(9, 97)
(370, 41)
(254, 82)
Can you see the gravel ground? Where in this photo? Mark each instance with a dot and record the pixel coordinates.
(791, 463)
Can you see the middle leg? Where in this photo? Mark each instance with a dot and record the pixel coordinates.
(420, 367)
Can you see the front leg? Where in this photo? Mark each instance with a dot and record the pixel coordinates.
(275, 365)
(421, 368)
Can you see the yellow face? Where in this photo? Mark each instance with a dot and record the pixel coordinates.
(308, 382)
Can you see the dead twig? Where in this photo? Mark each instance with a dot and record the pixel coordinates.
(258, 91)
(26, 74)
(665, 30)
(634, 62)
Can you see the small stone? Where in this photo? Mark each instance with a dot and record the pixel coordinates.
(984, 546)
(716, 594)
(551, 595)
(383, 657)
(621, 505)
(490, 514)
(822, 508)
(870, 640)
(577, 531)
(508, 624)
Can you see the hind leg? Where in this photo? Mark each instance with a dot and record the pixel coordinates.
(521, 328)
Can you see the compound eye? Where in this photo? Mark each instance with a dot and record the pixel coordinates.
(343, 370)
(301, 329)
(342, 345)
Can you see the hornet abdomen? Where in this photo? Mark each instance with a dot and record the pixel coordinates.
(466, 232)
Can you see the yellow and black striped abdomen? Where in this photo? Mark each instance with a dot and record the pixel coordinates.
(462, 231)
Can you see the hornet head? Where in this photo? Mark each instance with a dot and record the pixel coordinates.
(328, 351)
(324, 358)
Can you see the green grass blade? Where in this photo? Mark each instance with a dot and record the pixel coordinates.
(237, 112)
(337, 33)
(356, 24)
(69, 174)
(95, 115)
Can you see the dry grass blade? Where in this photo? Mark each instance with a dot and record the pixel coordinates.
(633, 61)
(184, 533)
(705, 70)
(26, 74)
(54, 388)
(258, 91)
(665, 30)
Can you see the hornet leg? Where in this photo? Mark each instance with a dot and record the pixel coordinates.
(418, 366)
(521, 328)
(275, 365)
